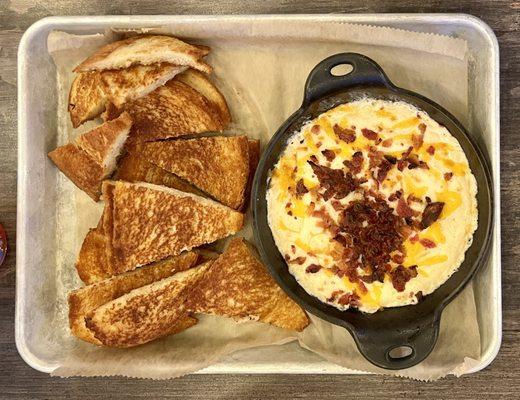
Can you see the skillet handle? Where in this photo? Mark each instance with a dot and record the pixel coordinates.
(321, 82)
(420, 338)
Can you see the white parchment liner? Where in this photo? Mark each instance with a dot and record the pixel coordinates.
(261, 69)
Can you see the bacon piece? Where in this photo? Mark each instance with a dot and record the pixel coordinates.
(429, 244)
(334, 295)
(375, 157)
(369, 134)
(315, 129)
(403, 210)
(313, 268)
(430, 150)
(418, 140)
(336, 182)
(297, 260)
(401, 275)
(387, 142)
(356, 164)
(329, 155)
(351, 299)
(301, 189)
(382, 172)
(398, 258)
(431, 213)
(395, 196)
(448, 176)
(345, 134)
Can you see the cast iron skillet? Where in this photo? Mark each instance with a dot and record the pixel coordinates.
(416, 326)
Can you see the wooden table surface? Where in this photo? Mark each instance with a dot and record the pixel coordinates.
(501, 379)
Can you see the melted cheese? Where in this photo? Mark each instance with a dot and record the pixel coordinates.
(451, 233)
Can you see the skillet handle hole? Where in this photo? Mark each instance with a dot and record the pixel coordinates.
(341, 70)
(400, 352)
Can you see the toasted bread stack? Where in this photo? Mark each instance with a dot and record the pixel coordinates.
(159, 80)
(145, 273)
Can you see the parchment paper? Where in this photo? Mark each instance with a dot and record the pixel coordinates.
(261, 68)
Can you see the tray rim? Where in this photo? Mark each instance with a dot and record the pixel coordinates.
(61, 22)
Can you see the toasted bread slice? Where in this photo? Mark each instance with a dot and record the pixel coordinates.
(87, 98)
(237, 285)
(134, 168)
(150, 222)
(218, 165)
(86, 299)
(92, 91)
(145, 313)
(204, 86)
(93, 156)
(92, 265)
(170, 111)
(146, 50)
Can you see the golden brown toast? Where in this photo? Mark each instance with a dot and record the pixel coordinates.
(145, 223)
(145, 313)
(86, 299)
(93, 156)
(87, 98)
(91, 92)
(172, 110)
(237, 285)
(92, 265)
(146, 50)
(135, 168)
(218, 165)
(204, 86)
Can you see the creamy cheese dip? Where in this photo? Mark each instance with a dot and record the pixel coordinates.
(372, 205)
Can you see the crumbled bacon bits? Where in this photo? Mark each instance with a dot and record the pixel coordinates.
(369, 134)
(313, 268)
(430, 150)
(372, 232)
(351, 299)
(345, 134)
(315, 129)
(356, 164)
(297, 260)
(329, 155)
(448, 176)
(429, 244)
(336, 182)
(401, 275)
(301, 189)
(403, 209)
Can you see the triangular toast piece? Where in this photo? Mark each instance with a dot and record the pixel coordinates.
(146, 313)
(92, 91)
(86, 299)
(146, 50)
(134, 168)
(237, 285)
(92, 265)
(146, 223)
(93, 156)
(172, 110)
(201, 83)
(218, 165)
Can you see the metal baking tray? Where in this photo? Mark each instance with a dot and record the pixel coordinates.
(36, 217)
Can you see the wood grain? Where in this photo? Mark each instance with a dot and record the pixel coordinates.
(500, 380)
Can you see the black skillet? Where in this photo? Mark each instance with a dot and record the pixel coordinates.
(415, 327)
